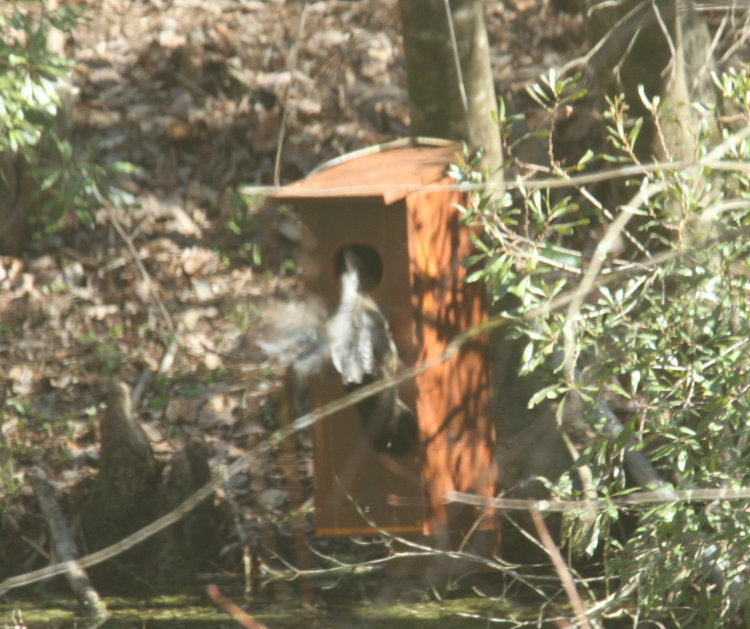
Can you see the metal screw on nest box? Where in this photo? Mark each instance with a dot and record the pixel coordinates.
(362, 351)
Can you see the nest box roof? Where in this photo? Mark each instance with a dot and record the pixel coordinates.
(385, 174)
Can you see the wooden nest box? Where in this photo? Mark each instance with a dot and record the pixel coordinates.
(386, 205)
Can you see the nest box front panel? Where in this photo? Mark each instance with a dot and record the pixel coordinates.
(355, 485)
(333, 224)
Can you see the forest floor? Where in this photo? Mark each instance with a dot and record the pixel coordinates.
(192, 92)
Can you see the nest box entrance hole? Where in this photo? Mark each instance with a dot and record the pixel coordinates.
(371, 271)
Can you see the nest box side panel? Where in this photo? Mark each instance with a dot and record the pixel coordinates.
(353, 482)
(456, 431)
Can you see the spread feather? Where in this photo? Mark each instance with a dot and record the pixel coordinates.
(362, 351)
(359, 340)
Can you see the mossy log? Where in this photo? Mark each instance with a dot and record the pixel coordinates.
(65, 549)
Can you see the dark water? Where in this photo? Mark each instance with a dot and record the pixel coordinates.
(193, 611)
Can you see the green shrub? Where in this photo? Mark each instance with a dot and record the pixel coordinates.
(664, 324)
(43, 179)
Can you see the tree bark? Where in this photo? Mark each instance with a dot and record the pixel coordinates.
(132, 489)
(445, 101)
(664, 47)
(659, 49)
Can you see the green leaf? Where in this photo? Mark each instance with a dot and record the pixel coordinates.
(547, 393)
(586, 158)
(625, 436)
(615, 387)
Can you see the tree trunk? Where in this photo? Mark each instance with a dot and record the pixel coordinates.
(16, 203)
(121, 499)
(665, 47)
(132, 489)
(20, 197)
(441, 104)
(661, 49)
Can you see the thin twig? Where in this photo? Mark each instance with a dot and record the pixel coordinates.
(153, 291)
(551, 183)
(167, 360)
(65, 548)
(231, 608)
(138, 262)
(635, 499)
(285, 109)
(456, 58)
(561, 568)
